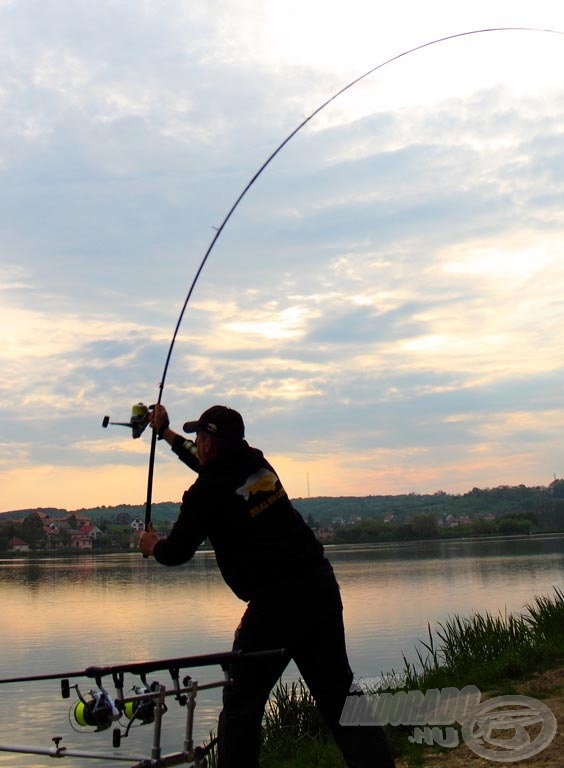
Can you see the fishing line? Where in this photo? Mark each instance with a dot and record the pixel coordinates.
(262, 168)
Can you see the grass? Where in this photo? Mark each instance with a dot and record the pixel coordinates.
(487, 650)
(294, 735)
(490, 652)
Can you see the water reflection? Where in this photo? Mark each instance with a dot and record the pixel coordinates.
(64, 614)
(392, 592)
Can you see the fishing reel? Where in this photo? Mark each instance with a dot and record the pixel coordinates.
(142, 709)
(139, 708)
(96, 710)
(139, 420)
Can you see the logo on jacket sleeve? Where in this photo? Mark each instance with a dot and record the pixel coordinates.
(264, 481)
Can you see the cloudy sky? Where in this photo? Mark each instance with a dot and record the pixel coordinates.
(386, 304)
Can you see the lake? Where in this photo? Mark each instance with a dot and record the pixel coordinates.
(65, 614)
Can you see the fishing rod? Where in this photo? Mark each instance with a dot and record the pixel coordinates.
(146, 667)
(258, 173)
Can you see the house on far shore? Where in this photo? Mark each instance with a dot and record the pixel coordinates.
(80, 538)
(84, 536)
(17, 545)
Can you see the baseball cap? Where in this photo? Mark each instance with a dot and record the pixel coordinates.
(219, 420)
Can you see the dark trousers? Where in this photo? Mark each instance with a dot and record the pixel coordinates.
(308, 623)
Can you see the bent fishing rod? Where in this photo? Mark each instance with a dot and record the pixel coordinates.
(252, 181)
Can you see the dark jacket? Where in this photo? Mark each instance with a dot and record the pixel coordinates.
(262, 544)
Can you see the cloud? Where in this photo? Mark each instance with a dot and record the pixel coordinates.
(387, 298)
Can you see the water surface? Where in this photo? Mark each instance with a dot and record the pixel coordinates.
(65, 614)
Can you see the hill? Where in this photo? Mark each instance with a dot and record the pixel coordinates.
(547, 502)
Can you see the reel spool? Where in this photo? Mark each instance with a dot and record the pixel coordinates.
(138, 421)
(142, 710)
(97, 711)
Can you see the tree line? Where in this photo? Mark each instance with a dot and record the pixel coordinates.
(489, 511)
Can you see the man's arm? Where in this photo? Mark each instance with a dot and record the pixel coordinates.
(184, 539)
(185, 449)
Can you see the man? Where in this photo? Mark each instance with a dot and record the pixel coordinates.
(272, 560)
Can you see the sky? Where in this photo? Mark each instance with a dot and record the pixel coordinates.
(384, 306)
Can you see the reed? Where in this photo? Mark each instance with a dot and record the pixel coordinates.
(293, 733)
(292, 725)
(485, 650)
(546, 618)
